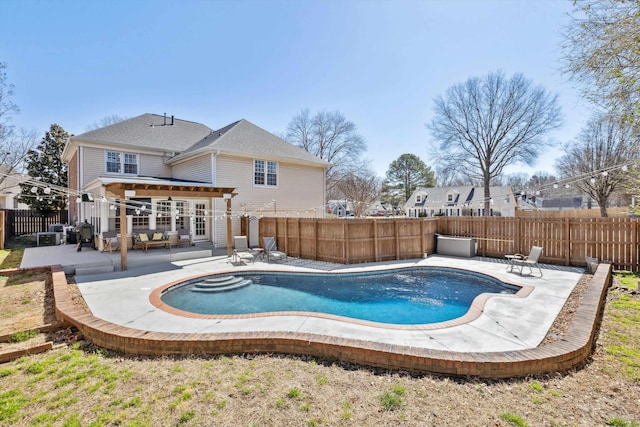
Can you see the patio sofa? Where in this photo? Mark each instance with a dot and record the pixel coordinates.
(144, 239)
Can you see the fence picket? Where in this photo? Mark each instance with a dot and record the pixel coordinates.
(19, 222)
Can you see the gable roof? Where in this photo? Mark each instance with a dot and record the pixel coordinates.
(463, 196)
(149, 131)
(245, 138)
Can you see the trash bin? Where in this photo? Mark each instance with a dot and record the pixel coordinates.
(71, 236)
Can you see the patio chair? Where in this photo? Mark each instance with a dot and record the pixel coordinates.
(184, 237)
(241, 249)
(271, 250)
(110, 241)
(530, 260)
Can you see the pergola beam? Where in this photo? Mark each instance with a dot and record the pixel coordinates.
(161, 190)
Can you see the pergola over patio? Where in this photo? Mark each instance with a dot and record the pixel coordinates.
(166, 188)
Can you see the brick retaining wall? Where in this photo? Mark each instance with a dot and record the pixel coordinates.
(570, 351)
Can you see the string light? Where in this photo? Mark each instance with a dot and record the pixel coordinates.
(53, 191)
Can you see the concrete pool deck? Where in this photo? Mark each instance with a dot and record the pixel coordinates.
(505, 324)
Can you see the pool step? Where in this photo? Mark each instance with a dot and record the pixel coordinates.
(220, 284)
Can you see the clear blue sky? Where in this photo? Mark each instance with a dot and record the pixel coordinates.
(380, 63)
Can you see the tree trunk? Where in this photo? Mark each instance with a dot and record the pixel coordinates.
(603, 207)
(487, 196)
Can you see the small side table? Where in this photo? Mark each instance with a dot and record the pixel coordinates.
(258, 252)
(510, 259)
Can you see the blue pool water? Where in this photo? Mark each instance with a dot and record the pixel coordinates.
(403, 296)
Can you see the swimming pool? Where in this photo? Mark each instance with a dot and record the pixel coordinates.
(409, 296)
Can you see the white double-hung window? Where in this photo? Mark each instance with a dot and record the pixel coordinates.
(265, 173)
(124, 163)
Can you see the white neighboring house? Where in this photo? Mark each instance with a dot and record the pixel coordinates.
(10, 189)
(179, 174)
(379, 208)
(460, 201)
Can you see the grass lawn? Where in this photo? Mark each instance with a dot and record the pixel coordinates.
(78, 384)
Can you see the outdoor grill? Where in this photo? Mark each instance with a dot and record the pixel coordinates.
(84, 235)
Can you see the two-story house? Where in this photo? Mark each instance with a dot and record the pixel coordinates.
(460, 201)
(176, 174)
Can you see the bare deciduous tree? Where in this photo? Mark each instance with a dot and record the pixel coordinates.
(361, 189)
(597, 162)
(14, 145)
(601, 50)
(519, 182)
(105, 121)
(330, 136)
(484, 124)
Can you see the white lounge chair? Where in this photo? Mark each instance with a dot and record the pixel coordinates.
(241, 251)
(271, 250)
(530, 260)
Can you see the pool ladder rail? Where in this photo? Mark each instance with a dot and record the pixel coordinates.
(221, 284)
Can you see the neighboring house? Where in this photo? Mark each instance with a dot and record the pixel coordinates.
(379, 208)
(10, 189)
(460, 201)
(562, 203)
(341, 208)
(528, 203)
(179, 174)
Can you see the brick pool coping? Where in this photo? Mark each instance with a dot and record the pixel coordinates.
(475, 309)
(570, 351)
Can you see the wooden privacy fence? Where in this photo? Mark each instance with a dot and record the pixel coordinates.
(351, 241)
(19, 222)
(566, 241)
(572, 213)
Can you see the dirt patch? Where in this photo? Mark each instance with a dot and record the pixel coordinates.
(561, 324)
(26, 301)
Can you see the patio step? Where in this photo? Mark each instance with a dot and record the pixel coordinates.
(219, 279)
(221, 284)
(96, 269)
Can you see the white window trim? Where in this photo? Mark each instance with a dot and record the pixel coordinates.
(122, 163)
(266, 170)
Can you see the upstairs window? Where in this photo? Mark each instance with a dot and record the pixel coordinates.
(265, 173)
(125, 163)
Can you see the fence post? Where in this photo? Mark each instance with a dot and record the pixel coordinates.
(484, 234)
(286, 235)
(2, 228)
(422, 242)
(375, 241)
(315, 239)
(516, 238)
(298, 237)
(395, 221)
(634, 245)
(567, 241)
(345, 235)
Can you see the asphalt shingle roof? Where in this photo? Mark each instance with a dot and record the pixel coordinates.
(245, 138)
(149, 131)
(186, 138)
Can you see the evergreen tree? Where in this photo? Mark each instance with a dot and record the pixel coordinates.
(404, 175)
(45, 165)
